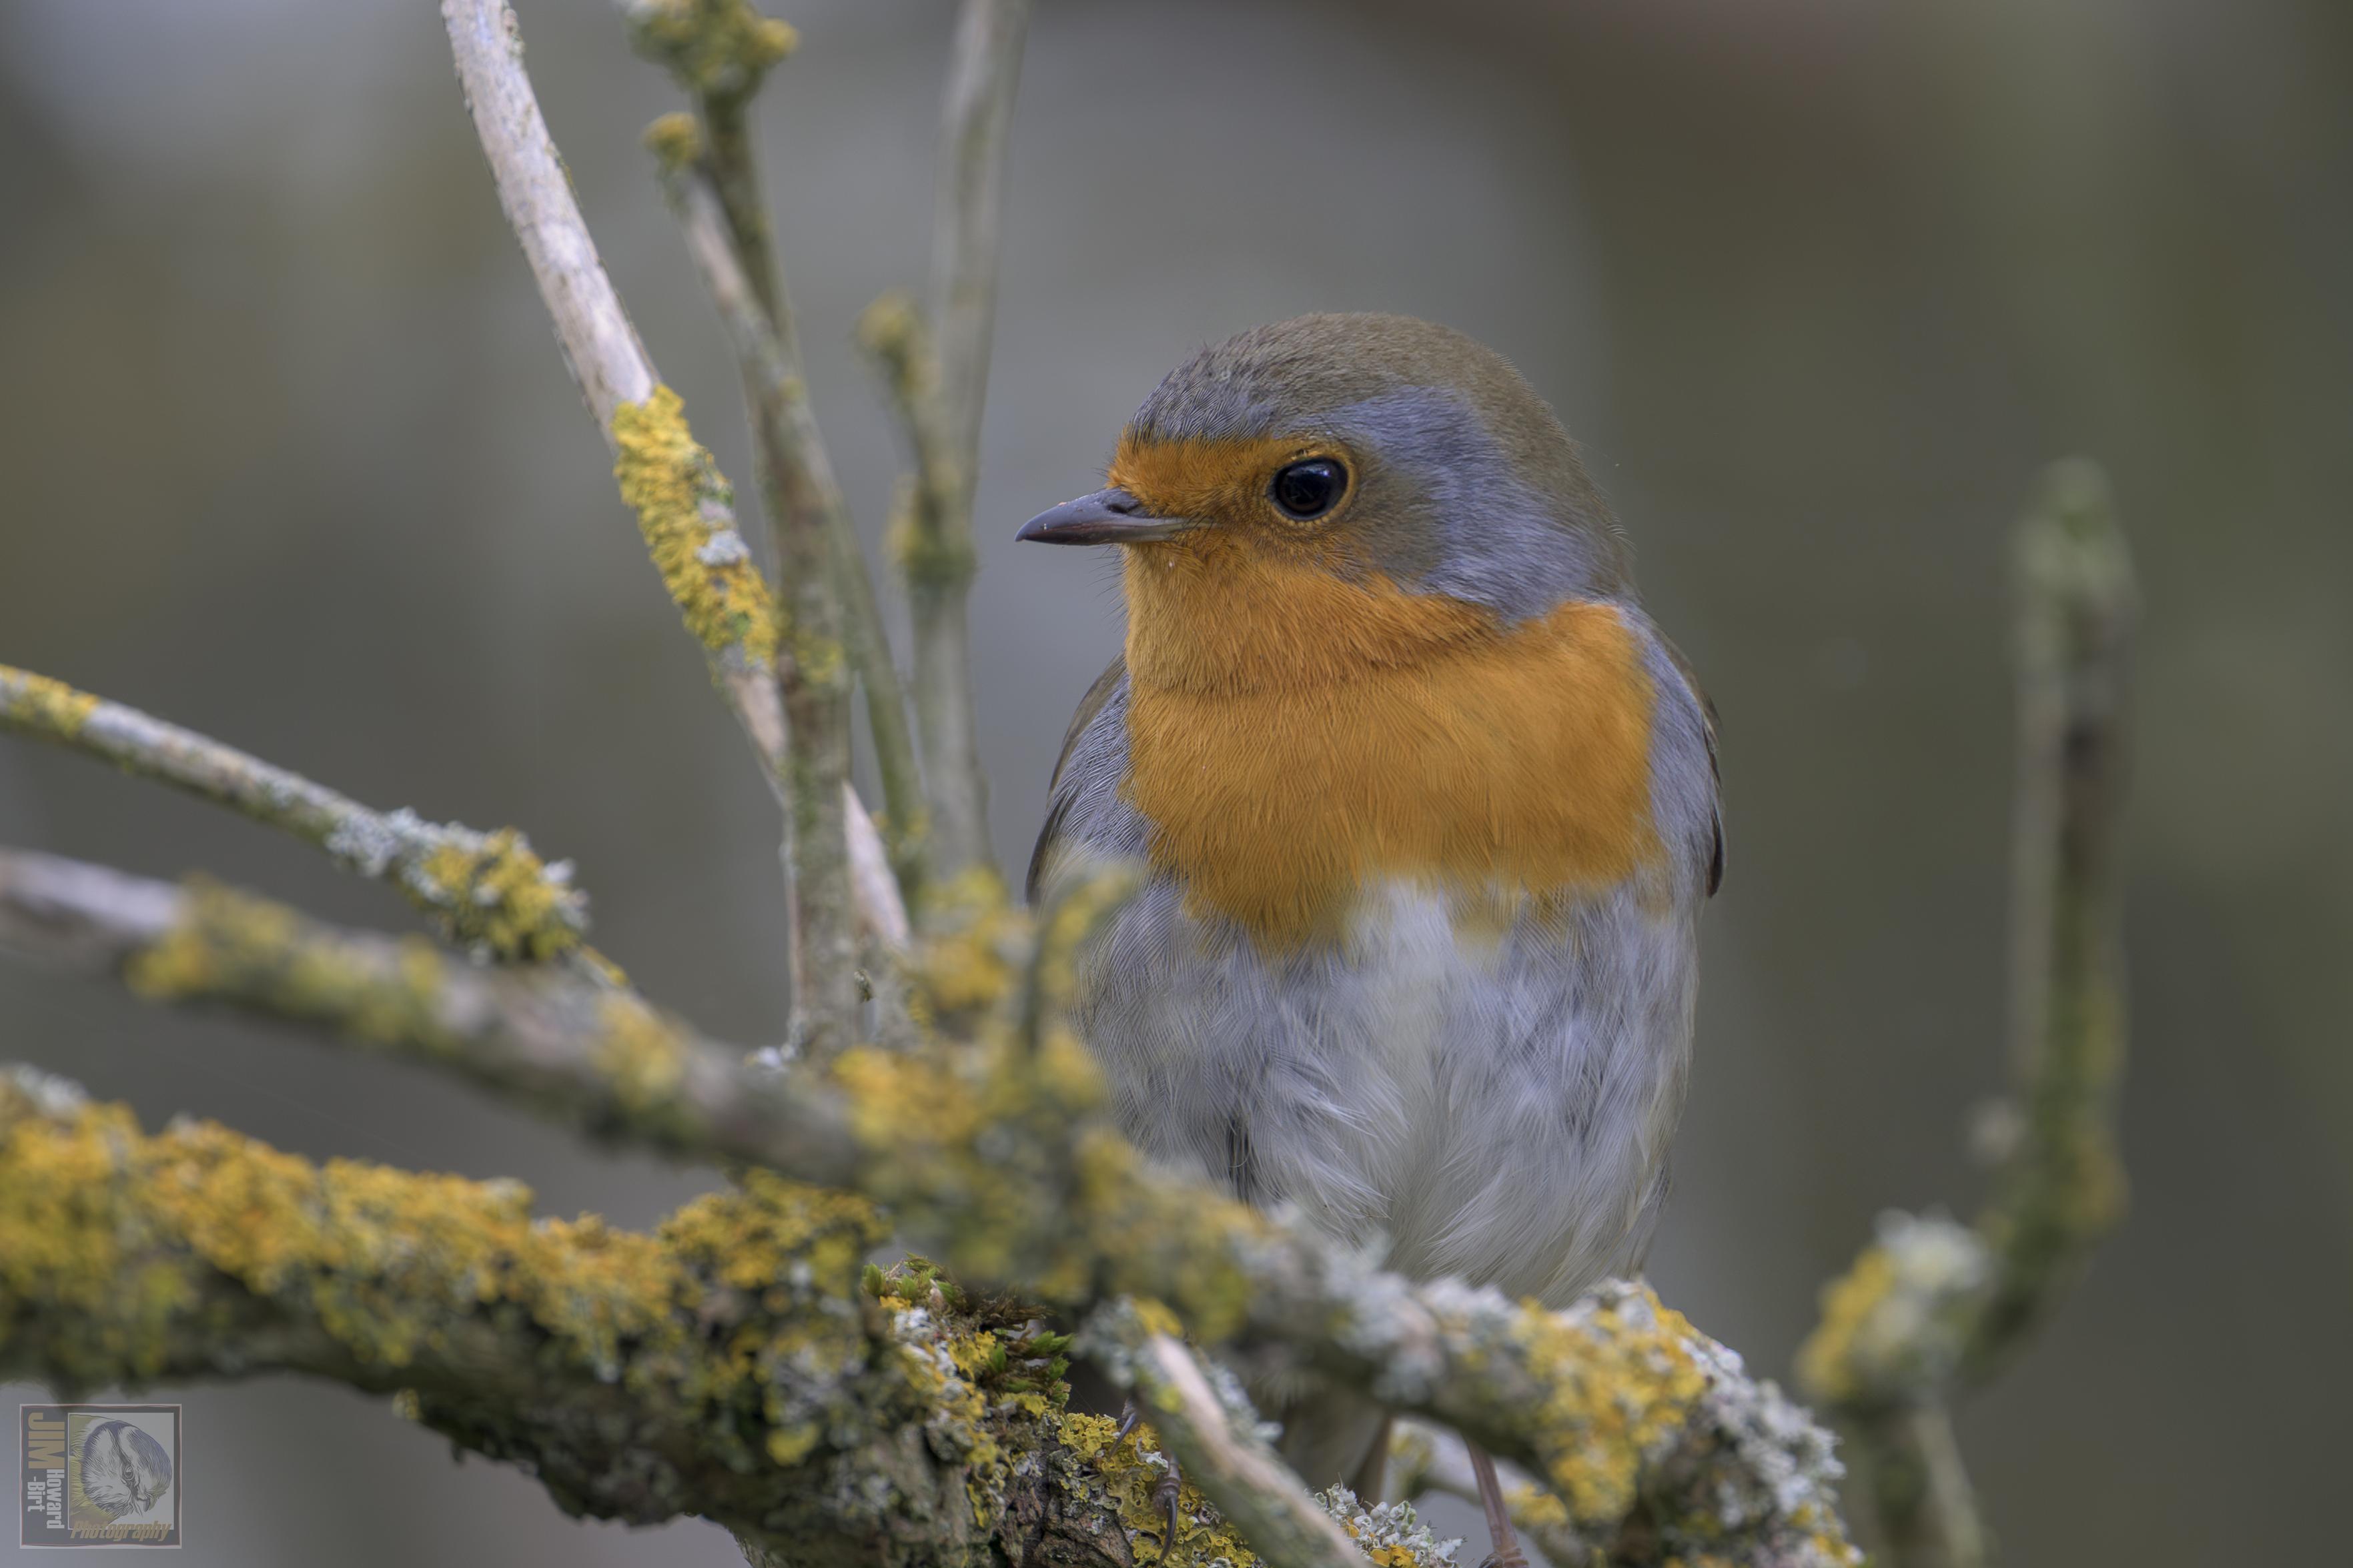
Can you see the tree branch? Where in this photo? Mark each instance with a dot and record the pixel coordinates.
(933, 541)
(592, 1055)
(720, 52)
(728, 1366)
(997, 1150)
(1213, 1432)
(487, 891)
(1932, 1306)
(685, 507)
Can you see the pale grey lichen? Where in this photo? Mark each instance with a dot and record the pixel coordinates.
(1388, 1531)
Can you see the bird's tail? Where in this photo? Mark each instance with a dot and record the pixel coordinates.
(1330, 1435)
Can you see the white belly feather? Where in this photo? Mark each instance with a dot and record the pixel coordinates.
(1492, 1106)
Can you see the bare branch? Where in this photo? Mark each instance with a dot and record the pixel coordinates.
(487, 891)
(1932, 1305)
(940, 402)
(685, 507)
(976, 113)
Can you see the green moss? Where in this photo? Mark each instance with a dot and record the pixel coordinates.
(684, 511)
(43, 706)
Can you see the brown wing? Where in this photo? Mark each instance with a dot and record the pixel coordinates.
(1715, 771)
(1089, 706)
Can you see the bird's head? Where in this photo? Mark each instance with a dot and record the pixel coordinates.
(1355, 481)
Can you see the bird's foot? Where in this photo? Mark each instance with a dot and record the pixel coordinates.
(1166, 1492)
(1502, 1539)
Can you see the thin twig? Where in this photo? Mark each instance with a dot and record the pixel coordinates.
(996, 1155)
(1932, 1306)
(977, 111)
(487, 891)
(1222, 1453)
(2062, 1187)
(684, 507)
(798, 477)
(720, 52)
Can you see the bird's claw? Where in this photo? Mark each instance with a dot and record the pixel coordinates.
(1168, 1491)
(1165, 1494)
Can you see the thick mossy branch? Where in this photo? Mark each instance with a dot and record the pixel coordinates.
(994, 1150)
(487, 892)
(728, 1366)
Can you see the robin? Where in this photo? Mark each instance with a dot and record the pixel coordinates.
(1427, 808)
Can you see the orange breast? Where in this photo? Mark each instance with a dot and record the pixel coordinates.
(1294, 738)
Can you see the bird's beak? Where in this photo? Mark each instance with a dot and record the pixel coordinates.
(1106, 517)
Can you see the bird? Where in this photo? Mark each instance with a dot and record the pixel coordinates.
(1425, 808)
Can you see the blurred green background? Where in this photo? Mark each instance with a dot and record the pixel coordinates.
(289, 456)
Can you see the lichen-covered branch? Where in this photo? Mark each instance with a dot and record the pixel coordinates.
(719, 51)
(598, 1056)
(684, 505)
(818, 555)
(1213, 1432)
(997, 1153)
(731, 1364)
(487, 892)
(1933, 1305)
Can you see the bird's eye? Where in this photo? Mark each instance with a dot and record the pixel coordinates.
(1309, 490)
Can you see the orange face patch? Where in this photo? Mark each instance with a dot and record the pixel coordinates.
(1223, 481)
(1294, 737)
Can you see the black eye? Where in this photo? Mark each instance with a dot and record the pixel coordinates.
(1308, 490)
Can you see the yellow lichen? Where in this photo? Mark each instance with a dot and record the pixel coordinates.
(497, 896)
(116, 1244)
(973, 938)
(227, 943)
(640, 1056)
(1826, 1362)
(671, 483)
(1130, 1472)
(43, 706)
(1609, 1395)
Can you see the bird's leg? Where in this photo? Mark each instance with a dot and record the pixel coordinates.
(1167, 1489)
(1502, 1539)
